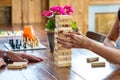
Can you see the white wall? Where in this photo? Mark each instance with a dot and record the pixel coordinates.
(99, 9)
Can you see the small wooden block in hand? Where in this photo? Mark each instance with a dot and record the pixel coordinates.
(98, 64)
(92, 59)
(17, 65)
(24, 64)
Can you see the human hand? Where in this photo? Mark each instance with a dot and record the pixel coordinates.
(74, 40)
(21, 57)
(2, 62)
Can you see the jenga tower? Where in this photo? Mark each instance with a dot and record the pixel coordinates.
(62, 56)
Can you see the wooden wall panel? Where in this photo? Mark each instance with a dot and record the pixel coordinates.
(99, 2)
(37, 11)
(16, 11)
(104, 22)
(85, 19)
(29, 11)
(44, 6)
(54, 2)
(5, 3)
(25, 11)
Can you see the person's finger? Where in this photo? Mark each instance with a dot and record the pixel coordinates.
(2, 62)
(69, 35)
(61, 41)
(31, 57)
(15, 57)
(66, 44)
(18, 59)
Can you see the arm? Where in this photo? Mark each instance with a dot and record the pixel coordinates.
(17, 56)
(109, 51)
(113, 35)
(81, 41)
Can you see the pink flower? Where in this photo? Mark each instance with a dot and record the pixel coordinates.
(47, 14)
(56, 10)
(68, 10)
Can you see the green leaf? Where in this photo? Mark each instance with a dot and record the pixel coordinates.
(74, 25)
(51, 24)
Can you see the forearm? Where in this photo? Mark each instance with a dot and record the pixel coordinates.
(109, 43)
(1, 53)
(110, 54)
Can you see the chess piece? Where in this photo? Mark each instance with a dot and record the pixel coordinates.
(12, 44)
(24, 45)
(10, 41)
(18, 44)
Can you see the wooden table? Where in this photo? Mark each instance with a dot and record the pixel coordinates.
(47, 70)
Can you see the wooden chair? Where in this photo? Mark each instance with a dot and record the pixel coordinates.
(100, 37)
(96, 36)
(118, 43)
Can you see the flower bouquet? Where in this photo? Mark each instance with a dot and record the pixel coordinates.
(56, 10)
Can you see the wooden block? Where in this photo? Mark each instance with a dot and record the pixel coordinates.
(63, 62)
(63, 59)
(57, 56)
(98, 64)
(65, 20)
(92, 59)
(63, 23)
(63, 17)
(69, 29)
(60, 32)
(64, 51)
(58, 45)
(62, 65)
(15, 66)
(24, 64)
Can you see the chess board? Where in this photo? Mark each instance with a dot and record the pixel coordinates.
(40, 47)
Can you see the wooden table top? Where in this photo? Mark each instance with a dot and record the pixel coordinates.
(47, 70)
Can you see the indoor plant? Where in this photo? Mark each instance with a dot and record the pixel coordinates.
(50, 26)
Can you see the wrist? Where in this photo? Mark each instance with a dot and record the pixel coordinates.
(5, 56)
(90, 44)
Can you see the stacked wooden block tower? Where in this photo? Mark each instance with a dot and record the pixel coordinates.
(62, 56)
